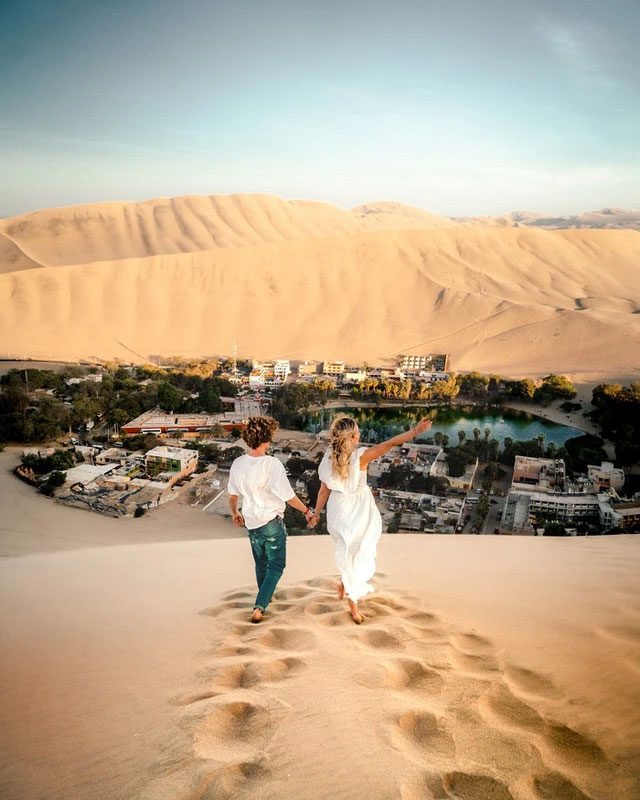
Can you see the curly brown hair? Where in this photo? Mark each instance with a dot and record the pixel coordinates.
(259, 430)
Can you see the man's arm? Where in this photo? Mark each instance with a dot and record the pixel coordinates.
(238, 519)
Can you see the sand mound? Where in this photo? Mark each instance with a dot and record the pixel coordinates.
(411, 704)
(180, 276)
(134, 671)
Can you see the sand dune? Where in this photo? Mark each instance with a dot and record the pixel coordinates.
(180, 276)
(487, 668)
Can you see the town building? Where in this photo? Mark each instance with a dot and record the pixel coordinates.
(158, 422)
(92, 377)
(429, 363)
(87, 474)
(354, 375)
(113, 455)
(269, 373)
(170, 463)
(305, 369)
(606, 476)
(622, 513)
(333, 368)
(541, 474)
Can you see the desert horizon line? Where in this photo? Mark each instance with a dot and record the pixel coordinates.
(606, 208)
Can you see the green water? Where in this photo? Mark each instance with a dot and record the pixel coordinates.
(377, 424)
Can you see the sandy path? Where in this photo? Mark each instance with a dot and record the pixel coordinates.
(487, 667)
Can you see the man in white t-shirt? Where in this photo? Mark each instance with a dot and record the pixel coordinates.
(262, 483)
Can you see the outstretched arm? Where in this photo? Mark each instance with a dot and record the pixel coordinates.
(371, 453)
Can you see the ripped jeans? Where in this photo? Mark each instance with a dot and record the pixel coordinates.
(269, 548)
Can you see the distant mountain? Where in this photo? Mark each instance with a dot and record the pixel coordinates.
(611, 218)
(300, 279)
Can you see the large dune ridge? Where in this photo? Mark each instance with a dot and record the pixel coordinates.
(192, 275)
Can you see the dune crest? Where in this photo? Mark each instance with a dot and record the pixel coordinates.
(177, 277)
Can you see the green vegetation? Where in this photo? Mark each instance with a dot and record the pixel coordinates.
(617, 412)
(554, 387)
(54, 480)
(290, 402)
(41, 465)
(378, 389)
(38, 405)
(582, 451)
(554, 529)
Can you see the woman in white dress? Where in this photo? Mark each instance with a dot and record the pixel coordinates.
(353, 519)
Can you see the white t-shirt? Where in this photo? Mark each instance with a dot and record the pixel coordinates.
(262, 483)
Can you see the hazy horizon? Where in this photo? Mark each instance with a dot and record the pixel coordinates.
(462, 110)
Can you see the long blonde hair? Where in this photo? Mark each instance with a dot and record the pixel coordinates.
(340, 433)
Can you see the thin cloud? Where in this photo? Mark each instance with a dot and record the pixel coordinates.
(576, 48)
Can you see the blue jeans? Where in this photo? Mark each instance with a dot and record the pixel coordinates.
(269, 548)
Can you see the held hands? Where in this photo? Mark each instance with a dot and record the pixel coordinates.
(423, 425)
(238, 520)
(312, 520)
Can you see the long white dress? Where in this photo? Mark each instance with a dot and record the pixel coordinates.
(354, 524)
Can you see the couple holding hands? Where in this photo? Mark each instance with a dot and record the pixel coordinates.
(353, 519)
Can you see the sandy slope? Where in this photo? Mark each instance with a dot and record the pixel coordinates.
(191, 275)
(488, 668)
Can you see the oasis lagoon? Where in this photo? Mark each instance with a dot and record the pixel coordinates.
(379, 423)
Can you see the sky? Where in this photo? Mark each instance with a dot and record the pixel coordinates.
(459, 107)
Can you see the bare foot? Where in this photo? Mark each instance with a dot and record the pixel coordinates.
(356, 616)
(257, 615)
(339, 586)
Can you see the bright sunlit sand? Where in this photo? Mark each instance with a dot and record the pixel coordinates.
(514, 301)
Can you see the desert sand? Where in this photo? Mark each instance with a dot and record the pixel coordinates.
(177, 276)
(487, 668)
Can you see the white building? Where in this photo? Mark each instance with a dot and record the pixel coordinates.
(281, 369)
(429, 363)
(165, 459)
(606, 476)
(269, 373)
(354, 375)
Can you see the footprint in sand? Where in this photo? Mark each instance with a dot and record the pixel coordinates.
(289, 639)
(251, 673)
(403, 675)
(232, 727)
(378, 639)
(506, 707)
(424, 734)
(242, 594)
(572, 747)
(474, 653)
(476, 664)
(554, 786)
(328, 614)
(226, 782)
(530, 682)
(470, 786)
